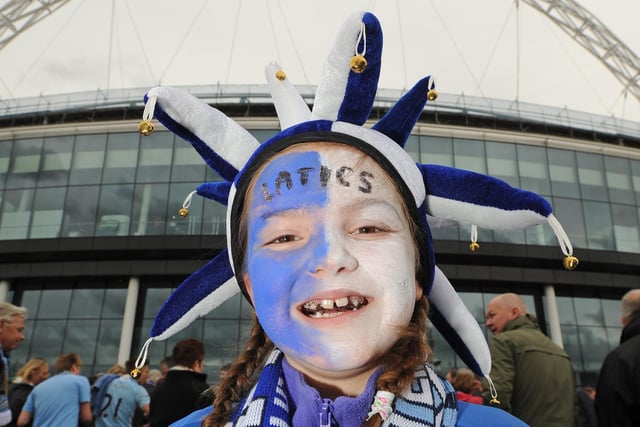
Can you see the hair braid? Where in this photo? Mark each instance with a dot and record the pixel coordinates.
(407, 354)
(238, 380)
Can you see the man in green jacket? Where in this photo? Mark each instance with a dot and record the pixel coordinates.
(532, 376)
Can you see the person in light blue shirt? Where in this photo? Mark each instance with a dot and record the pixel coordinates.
(62, 400)
(123, 396)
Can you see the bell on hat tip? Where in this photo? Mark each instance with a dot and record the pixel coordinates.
(135, 373)
(432, 95)
(145, 127)
(183, 212)
(570, 262)
(281, 75)
(358, 63)
(474, 246)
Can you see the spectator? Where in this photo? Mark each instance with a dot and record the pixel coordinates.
(30, 375)
(181, 391)
(533, 376)
(154, 376)
(467, 385)
(617, 399)
(124, 396)
(62, 400)
(12, 320)
(586, 413)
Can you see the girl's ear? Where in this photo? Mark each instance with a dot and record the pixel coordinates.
(418, 290)
(248, 287)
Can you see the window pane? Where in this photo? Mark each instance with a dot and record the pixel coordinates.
(55, 304)
(566, 311)
(25, 164)
(82, 336)
(88, 159)
(412, 147)
(591, 176)
(121, 158)
(436, 150)
(569, 213)
(149, 209)
(48, 336)
(611, 308)
(155, 157)
(187, 166)
(562, 171)
(5, 157)
(501, 162)
(86, 303)
(534, 175)
(625, 227)
(114, 210)
(635, 170)
(593, 341)
(108, 341)
(48, 211)
(619, 180)
(57, 161)
(470, 155)
(113, 305)
(16, 214)
(80, 211)
(599, 225)
(192, 223)
(588, 311)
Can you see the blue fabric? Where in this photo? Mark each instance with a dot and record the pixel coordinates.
(195, 288)
(306, 402)
(473, 415)
(361, 87)
(56, 401)
(469, 415)
(5, 373)
(124, 395)
(481, 190)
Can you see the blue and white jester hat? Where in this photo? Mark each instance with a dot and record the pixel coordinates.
(343, 102)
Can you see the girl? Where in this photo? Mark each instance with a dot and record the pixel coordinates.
(328, 239)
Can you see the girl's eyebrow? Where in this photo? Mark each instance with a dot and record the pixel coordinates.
(266, 214)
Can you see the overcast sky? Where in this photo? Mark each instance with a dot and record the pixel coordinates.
(488, 48)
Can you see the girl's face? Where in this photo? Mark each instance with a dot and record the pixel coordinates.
(330, 263)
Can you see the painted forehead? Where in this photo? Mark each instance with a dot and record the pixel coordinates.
(312, 170)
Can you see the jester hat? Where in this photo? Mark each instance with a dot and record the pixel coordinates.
(343, 101)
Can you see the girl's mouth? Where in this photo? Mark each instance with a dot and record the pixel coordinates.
(325, 308)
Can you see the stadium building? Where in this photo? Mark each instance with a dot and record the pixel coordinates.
(92, 244)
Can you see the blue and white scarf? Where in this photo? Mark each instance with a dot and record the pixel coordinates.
(430, 401)
(5, 412)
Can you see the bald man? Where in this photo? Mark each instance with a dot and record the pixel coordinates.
(532, 375)
(618, 392)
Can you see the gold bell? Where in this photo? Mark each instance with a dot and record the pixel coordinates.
(145, 127)
(570, 262)
(432, 95)
(135, 373)
(183, 212)
(474, 246)
(494, 401)
(281, 75)
(358, 63)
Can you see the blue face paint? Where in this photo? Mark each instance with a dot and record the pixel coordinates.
(290, 188)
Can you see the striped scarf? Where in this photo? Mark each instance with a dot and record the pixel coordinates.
(430, 401)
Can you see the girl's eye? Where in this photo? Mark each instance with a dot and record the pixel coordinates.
(286, 238)
(369, 229)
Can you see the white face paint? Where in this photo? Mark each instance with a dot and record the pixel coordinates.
(330, 261)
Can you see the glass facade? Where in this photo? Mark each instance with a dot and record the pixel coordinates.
(122, 184)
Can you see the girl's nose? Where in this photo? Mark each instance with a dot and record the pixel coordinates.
(333, 256)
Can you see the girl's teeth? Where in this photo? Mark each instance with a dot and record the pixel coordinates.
(355, 301)
(342, 302)
(327, 304)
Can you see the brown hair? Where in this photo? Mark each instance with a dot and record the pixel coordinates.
(31, 366)
(64, 362)
(464, 380)
(187, 352)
